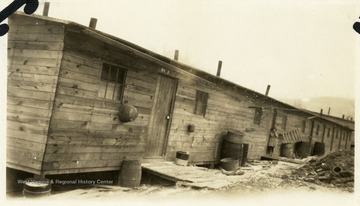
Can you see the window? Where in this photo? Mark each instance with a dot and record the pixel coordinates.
(317, 129)
(201, 103)
(328, 132)
(112, 82)
(283, 123)
(258, 115)
(303, 126)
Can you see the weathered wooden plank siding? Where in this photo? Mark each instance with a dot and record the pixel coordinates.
(349, 140)
(315, 129)
(346, 141)
(34, 55)
(86, 133)
(224, 112)
(328, 137)
(287, 121)
(57, 123)
(333, 139)
(316, 135)
(342, 140)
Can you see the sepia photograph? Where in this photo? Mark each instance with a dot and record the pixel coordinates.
(179, 102)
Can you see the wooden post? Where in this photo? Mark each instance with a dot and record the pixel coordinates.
(346, 139)
(46, 9)
(176, 56)
(219, 69)
(332, 139)
(341, 136)
(311, 136)
(267, 90)
(323, 134)
(92, 23)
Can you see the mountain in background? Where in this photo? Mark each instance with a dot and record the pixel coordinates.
(339, 106)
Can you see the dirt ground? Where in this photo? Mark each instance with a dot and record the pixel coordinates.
(263, 183)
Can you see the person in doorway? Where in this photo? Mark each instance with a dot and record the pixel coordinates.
(273, 139)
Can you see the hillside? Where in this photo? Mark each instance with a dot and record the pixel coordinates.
(339, 106)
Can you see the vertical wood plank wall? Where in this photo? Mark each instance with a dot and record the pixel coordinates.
(34, 55)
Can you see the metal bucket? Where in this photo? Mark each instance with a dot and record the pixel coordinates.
(230, 163)
(36, 188)
(182, 158)
(128, 113)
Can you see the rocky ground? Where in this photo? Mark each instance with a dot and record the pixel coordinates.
(317, 181)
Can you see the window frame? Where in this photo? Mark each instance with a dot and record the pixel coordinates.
(121, 73)
(284, 122)
(304, 124)
(201, 98)
(317, 132)
(258, 115)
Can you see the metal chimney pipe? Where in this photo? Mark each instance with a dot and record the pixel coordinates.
(176, 56)
(329, 110)
(219, 69)
(267, 90)
(92, 23)
(321, 112)
(343, 117)
(46, 9)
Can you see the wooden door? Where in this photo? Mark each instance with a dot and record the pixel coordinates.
(161, 116)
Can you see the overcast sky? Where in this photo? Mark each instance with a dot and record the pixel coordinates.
(301, 48)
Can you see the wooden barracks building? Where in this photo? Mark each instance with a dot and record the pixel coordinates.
(67, 85)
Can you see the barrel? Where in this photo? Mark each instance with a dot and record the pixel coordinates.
(244, 154)
(36, 188)
(230, 163)
(232, 145)
(287, 150)
(302, 149)
(130, 174)
(127, 113)
(319, 148)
